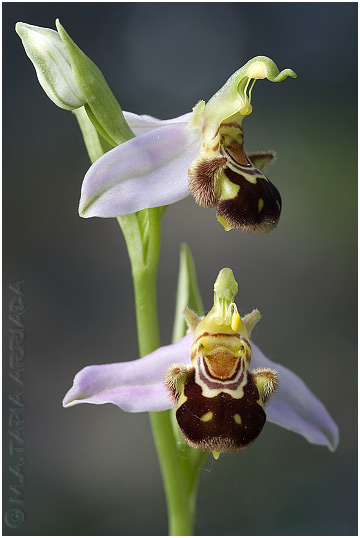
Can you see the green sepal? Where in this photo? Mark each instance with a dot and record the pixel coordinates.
(103, 109)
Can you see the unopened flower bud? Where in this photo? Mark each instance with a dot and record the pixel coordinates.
(51, 60)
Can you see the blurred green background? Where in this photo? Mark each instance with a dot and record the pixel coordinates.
(93, 470)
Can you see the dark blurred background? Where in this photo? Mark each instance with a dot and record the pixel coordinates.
(92, 470)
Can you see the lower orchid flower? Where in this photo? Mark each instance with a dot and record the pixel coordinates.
(201, 153)
(220, 401)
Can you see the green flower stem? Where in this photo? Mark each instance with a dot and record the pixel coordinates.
(142, 233)
(144, 247)
(142, 236)
(95, 144)
(180, 497)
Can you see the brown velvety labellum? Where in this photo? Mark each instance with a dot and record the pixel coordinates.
(221, 423)
(256, 207)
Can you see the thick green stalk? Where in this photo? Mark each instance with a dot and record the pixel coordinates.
(180, 499)
(144, 248)
(142, 235)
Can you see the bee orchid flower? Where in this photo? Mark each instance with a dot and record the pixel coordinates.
(206, 375)
(199, 153)
(138, 386)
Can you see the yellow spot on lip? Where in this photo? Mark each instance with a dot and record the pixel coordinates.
(208, 416)
(260, 204)
(182, 399)
(237, 418)
(223, 223)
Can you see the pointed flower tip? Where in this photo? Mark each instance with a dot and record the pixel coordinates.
(83, 210)
(68, 401)
(18, 27)
(333, 437)
(62, 32)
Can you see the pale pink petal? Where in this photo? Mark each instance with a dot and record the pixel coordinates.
(150, 170)
(295, 407)
(134, 386)
(141, 124)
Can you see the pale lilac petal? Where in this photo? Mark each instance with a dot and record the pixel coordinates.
(134, 386)
(295, 407)
(141, 124)
(147, 171)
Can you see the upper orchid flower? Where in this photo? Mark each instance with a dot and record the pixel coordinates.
(221, 402)
(201, 153)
